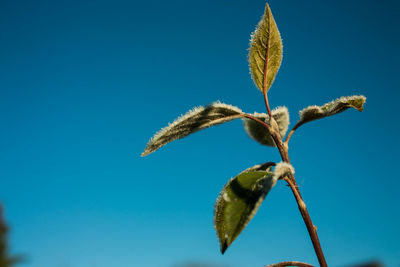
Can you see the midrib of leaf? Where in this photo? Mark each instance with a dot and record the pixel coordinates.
(221, 120)
(195, 120)
(265, 83)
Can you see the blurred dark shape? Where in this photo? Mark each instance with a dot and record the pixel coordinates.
(368, 264)
(197, 264)
(5, 259)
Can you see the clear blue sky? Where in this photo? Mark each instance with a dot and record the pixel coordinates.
(85, 84)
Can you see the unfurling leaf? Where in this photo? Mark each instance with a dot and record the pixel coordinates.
(282, 169)
(265, 52)
(259, 133)
(193, 121)
(239, 200)
(339, 105)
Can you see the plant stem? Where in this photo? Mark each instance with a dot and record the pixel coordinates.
(267, 104)
(289, 263)
(311, 228)
(291, 180)
(251, 117)
(283, 150)
(292, 131)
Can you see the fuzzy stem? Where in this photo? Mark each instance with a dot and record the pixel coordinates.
(251, 117)
(267, 103)
(291, 180)
(289, 263)
(292, 131)
(312, 230)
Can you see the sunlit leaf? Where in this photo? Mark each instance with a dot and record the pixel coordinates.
(260, 167)
(196, 119)
(259, 133)
(339, 105)
(238, 202)
(265, 52)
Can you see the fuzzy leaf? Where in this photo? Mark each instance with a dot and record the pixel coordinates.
(260, 167)
(196, 119)
(282, 169)
(265, 52)
(334, 107)
(238, 202)
(259, 133)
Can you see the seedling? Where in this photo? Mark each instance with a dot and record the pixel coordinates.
(241, 197)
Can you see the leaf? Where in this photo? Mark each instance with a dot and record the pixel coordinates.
(334, 107)
(259, 133)
(260, 167)
(265, 52)
(282, 169)
(196, 119)
(239, 201)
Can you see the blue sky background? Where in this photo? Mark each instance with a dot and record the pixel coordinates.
(85, 84)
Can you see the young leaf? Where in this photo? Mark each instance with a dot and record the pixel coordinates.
(260, 133)
(238, 202)
(282, 169)
(193, 121)
(265, 52)
(339, 105)
(260, 167)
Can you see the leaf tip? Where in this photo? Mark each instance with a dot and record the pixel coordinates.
(265, 51)
(355, 101)
(147, 150)
(224, 247)
(363, 99)
(267, 7)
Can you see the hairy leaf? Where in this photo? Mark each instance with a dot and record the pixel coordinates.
(238, 202)
(260, 167)
(196, 119)
(282, 169)
(265, 52)
(339, 105)
(259, 133)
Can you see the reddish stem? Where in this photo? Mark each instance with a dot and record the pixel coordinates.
(265, 81)
(312, 230)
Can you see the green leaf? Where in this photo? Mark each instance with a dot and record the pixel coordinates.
(238, 202)
(196, 119)
(339, 105)
(265, 52)
(259, 133)
(260, 167)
